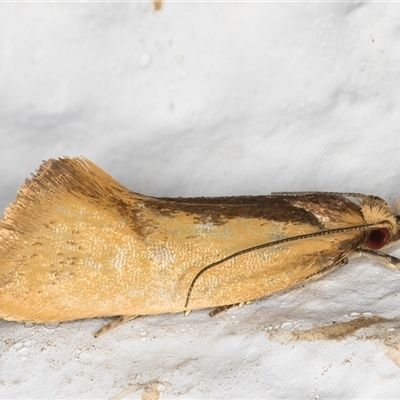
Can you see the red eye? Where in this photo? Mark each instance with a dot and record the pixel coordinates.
(377, 238)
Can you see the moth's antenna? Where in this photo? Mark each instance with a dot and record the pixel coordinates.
(342, 194)
(277, 242)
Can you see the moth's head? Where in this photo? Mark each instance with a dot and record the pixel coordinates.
(387, 231)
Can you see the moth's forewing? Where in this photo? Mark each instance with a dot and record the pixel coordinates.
(77, 244)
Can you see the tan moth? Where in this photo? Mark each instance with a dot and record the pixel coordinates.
(77, 244)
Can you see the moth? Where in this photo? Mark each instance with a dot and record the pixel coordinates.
(77, 244)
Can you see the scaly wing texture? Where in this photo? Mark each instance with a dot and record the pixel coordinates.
(77, 244)
(262, 272)
(58, 241)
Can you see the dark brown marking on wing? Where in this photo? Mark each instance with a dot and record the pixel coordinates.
(272, 208)
(76, 177)
(220, 209)
(132, 215)
(329, 206)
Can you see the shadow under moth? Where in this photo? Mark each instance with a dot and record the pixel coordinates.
(77, 244)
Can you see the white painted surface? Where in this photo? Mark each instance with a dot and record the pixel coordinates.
(209, 99)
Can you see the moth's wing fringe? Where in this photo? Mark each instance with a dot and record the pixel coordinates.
(55, 182)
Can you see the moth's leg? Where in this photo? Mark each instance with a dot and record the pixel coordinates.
(113, 324)
(221, 309)
(386, 259)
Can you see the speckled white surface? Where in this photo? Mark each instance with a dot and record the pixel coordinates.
(210, 99)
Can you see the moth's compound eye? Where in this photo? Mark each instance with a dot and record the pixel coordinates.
(377, 238)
